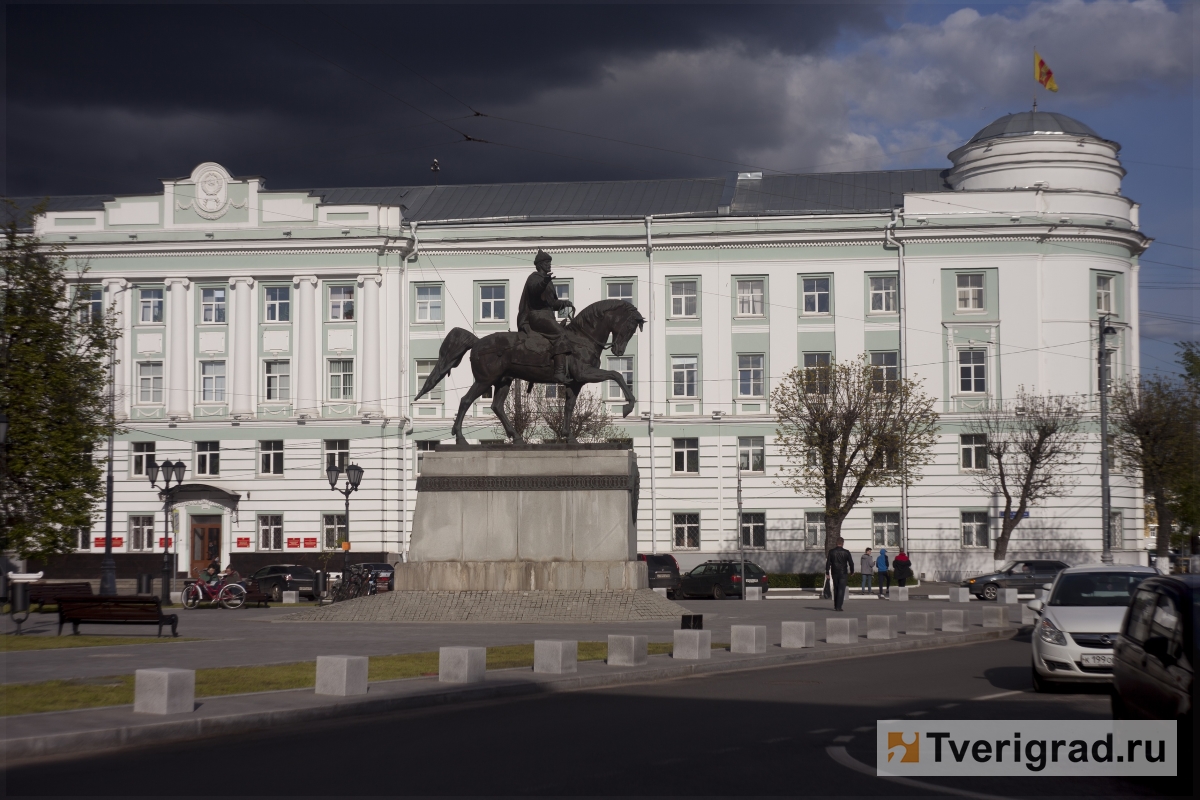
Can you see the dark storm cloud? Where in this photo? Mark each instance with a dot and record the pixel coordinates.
(107, 98)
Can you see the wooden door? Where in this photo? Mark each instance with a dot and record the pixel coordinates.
(206, 542)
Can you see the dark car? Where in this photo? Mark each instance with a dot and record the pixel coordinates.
(276, 579)
(1154, 655)
(1025, 576)
(716, 579)
(663, 572)
(382, 573)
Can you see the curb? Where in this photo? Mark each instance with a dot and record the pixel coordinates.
(181, 730)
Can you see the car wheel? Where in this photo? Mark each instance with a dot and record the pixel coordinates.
(1040, 684)
(991, 591)
(718, 592)
(276, 594)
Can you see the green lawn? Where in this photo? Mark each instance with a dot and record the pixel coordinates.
(44, 642)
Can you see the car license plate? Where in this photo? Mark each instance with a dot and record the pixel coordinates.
(751, 580)
(665, 575)
(1097, 661)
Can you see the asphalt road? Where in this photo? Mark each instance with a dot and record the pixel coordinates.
(764, 732)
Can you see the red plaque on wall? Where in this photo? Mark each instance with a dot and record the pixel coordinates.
(164, 543)
(293, 542)
(243, 542)
(310, 542)
(117, 542)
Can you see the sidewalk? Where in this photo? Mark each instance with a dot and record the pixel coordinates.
(75, 732)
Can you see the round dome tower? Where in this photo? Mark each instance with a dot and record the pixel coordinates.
(1037, 150)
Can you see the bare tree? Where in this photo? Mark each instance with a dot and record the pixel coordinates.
(1155, 422)
(590, 421)
(522, 411)
(848, 427)
(1031, 442)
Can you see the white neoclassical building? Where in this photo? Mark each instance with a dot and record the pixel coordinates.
(270, 333)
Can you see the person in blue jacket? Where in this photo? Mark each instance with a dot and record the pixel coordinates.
(881, 568)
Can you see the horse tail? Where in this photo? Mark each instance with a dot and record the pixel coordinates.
(454, 347)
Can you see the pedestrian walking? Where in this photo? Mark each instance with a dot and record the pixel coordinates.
(840, 566)
(866, 565)
(881, 568)
(902, 567)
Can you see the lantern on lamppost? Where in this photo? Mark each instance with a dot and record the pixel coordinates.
(354, 474)
(169, 471)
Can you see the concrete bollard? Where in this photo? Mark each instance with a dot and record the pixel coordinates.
(1006, 596)
(1028, 615)
(901, 594)
(799, 634)
(881, 626)
(918, 623)
(960, 594)
(627, 651)
(176, 597)
(661, 591)
(692, 645)
(462, 664)
(342, 676)
(995, 616)
(555, 656)
(1015, 613)
(748, 638)
(954, 622)
(291, 597)
(841, 630)
(754, 593)
(164, 691)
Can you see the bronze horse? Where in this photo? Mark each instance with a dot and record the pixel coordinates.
(498, 358)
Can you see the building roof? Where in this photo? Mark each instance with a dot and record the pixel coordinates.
(1029, 122)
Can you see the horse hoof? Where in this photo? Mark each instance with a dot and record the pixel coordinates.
(627, 410)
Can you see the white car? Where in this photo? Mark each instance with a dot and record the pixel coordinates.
(1079, 622)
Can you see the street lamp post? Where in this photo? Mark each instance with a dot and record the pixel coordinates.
(169, 470)
(354, 475)
(1106, 330)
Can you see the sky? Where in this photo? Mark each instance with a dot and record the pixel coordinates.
(111, 99)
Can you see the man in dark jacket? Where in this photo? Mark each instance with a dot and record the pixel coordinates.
(840, 566)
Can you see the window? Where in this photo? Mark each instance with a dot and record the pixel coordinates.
(150, 382)
(883, 295)
(212, 305)
(816, 373)
(687, 455)
(750, 298)
(270, 531)
(335, 530)
(683, 298)
(429, 304)
(686, 531)
(341, 302)
(974, 450)
(341, 379)
(423, 371)
(970, 292)
(975, 529)
(683, 376)
(91, 305)
(751, 454)
(270, 461)
(143, 456)
(278, 376)
(550, 391)
(621, 291)
(1116, 531)
(83, 538)
(885, 371)
(972, 371)
(279, 304)
(1104, 294)
(754, 530)
(141, 532)
(886, 527)
(623, 365)
(814, 530)
(208, 458)
(151, 305)
(212, 381)
(816, 295)
(337, 453)
(563, 290)
(750, 376)
(491, 303)
(424, 447)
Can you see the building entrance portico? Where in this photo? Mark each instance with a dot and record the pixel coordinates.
(205, 541)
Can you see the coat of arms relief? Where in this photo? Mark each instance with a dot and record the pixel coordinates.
(211, 200)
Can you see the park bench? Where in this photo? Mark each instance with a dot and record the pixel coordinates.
(115, 610)
(41, 592)
(256, 595)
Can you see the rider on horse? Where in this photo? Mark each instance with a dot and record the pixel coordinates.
(539, 301)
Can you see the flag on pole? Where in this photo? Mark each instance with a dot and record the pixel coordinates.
(1043, 74)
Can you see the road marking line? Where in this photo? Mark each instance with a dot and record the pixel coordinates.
(843, 738)
(841, 756)
(821, 730)
(777, 740)
(916, 713)
(864, 729)
(998, 695)
(948, 705)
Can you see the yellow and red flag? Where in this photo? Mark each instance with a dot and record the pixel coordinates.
(1042, 73)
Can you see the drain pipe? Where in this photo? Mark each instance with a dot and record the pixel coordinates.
(404, 395)
(650, 415)
(890, 239)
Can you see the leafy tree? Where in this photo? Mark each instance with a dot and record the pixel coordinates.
(848, 427)
(54, 389)
(1031, 444)
(1189, 359)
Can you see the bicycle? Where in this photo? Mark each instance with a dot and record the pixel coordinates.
(356, 582)
(226, 595)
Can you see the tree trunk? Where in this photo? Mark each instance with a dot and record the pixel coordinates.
(833, 531)
(1007, 526)
(1163, 542)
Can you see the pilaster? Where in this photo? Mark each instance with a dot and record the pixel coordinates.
(179, 343)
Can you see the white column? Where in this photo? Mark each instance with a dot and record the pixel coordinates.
(115, 292)
(179, 358)
(307, 361)
(369, 328)
(244, 392)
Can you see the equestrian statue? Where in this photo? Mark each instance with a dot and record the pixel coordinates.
(542, 350)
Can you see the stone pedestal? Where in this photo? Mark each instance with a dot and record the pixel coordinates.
(628, 651)
(995, 616)
(959, 594)
(692, 644)
(919, 623)
(1006, 596)
(841, 630)
(555, 656)
(881, 626)
(754, 593)
(799, 634)
(342, 676)
(462, 664)
(901, 594)
(954, 621)
(748, 638)
(164, 691)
